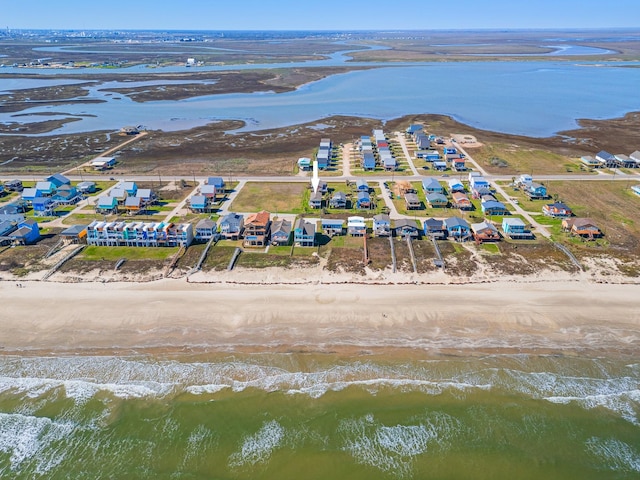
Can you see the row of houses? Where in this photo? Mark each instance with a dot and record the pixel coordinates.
(341, 200)
(208, 194)
(450, 157)
(54, 191)
(324, 153)
(604, 159)
(125, 196)
(136, 234)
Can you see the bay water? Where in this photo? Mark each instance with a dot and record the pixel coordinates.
(317, 416)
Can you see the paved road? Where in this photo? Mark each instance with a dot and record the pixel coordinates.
(407, 155)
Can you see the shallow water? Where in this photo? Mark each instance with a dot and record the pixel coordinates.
(319, 416)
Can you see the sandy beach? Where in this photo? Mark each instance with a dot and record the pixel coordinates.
(563, 317)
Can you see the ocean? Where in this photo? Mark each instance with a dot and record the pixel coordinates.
(402, 415)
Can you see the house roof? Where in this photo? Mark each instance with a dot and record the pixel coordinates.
(232, 219)
(198, 200)
(316, 196)
(144, 193)
(581, 222)
(339, 196)
(605, 155)
(364, 196)
(133, 202)
(411, 197)
(206, 224)
(215, 181)
(41, 201)
(118, 192)
(453, 222)
(361, 183)
(484, 225)
(260, 218)
(431, 183)
(106, 202)
(433, 223)
(436, 197)
(29, 192)
(305, 227)
(405, 223)
(281, 226)
(493, 204)
(558, 206)
(459, 197)
(86, 184)
(73, 231)
(58, 179)
(513, 222)
(45, 186)
(382, 217)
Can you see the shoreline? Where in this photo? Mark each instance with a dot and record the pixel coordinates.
(456, 319)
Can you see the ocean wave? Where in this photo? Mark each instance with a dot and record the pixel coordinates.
(393, 449)
(26, 439)
(588, 383)
(615, 454)
(257, 448)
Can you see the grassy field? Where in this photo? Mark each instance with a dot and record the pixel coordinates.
(511, 159)
(612, 205)
(272, 197)
(93, 252)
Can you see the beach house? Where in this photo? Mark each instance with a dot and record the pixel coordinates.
(493, 207)
(433, 227)
(461, 201)
(304, 233)
(257, 228)
(356, 226)
(381, 225)
(103, 163)
(363, 200)
(332, 226)
(232, 225)
(58, 180)
(43, 206)
(412, 201)
(205, 229)
(557, 209)
(485, 232)
(198, 204)
(431, 185)
(217, 182)
(338, 200)
(515, 228)
(106, 205)
(405, 227)
(437, 200)
(606, 159)
(315, 199)
(66, 195)
(582, 227)
(457, 228)
(455, 185)
(280, 232)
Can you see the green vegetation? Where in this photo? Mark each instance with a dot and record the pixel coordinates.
(96, 253)
(272, 197)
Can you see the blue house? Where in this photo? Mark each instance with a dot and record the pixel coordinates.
(304, 233)
(323, 157)
(455, 185)
(414, 128)
(28, 232)
(217, 182)
(457, 228)
(232, 225)
(450, 151)
(606, 159)
(45, 188)
(87, 187)
(66, 195)
(362, 185)
(368, 161)
(536, 190)
(381, 225)
(42, 206)
(198, 203)
(432, 156)
(515, 228)
(58, 180)
(493, 207)
(131, 188)
(431, 185)
(29, 194)
(107, 205)
(364, 200)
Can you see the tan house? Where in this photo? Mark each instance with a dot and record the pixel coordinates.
(584, 227)
(257, 227)
(461, 201)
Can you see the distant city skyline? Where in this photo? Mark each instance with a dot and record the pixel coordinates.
(315, 15)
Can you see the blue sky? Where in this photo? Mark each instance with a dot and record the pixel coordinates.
(320, 15)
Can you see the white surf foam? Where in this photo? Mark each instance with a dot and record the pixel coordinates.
(617, 455)
(257, 448)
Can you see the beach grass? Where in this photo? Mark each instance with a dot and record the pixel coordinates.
(93, 252)
(272, 197)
